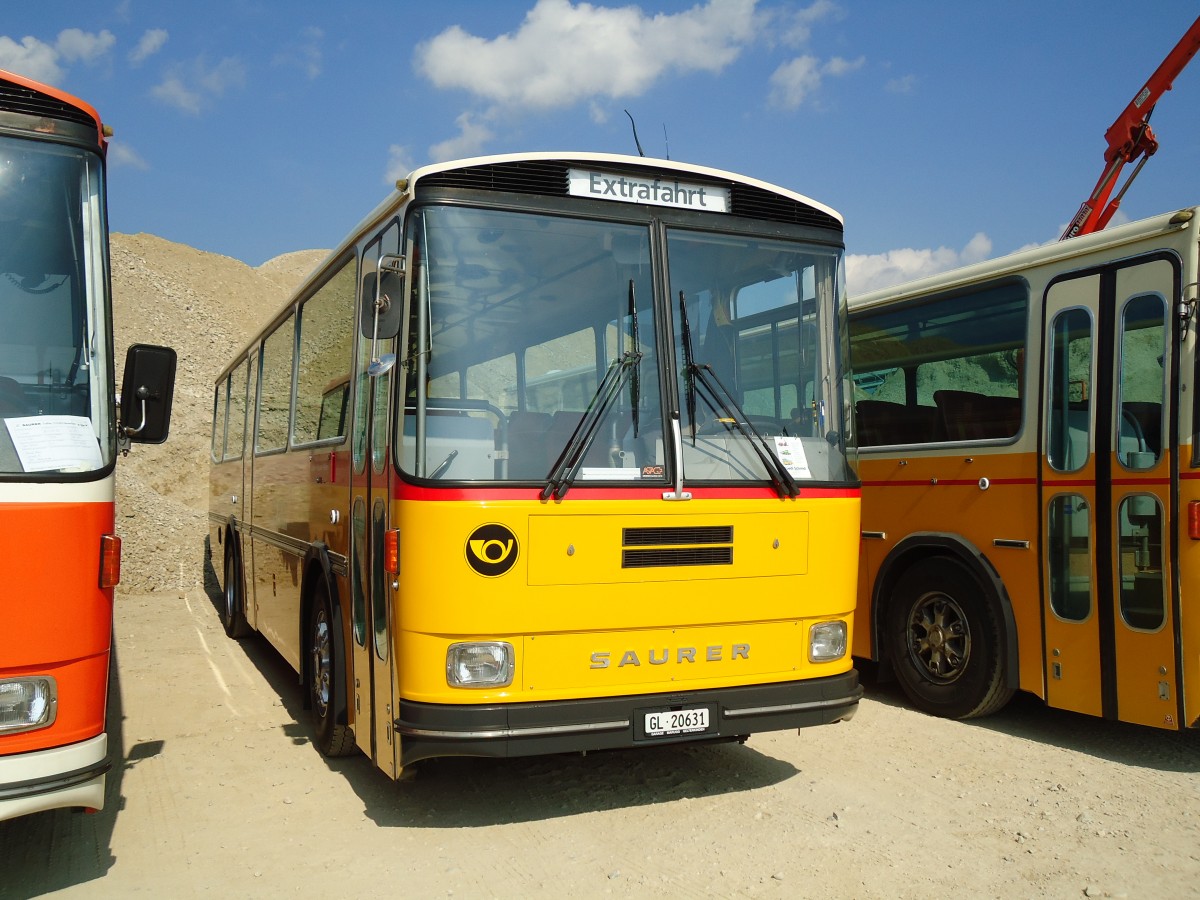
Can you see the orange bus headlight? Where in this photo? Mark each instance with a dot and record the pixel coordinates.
(27, 703)
(827, 642)
(479, 664)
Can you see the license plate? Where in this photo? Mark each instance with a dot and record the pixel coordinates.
(676, 721)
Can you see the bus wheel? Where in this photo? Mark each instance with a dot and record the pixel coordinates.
(233, 610)
(325, 671)
(943, 635)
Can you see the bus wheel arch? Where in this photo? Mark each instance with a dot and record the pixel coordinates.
(323, 658)
(945, 627)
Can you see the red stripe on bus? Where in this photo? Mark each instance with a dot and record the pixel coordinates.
(405, 491)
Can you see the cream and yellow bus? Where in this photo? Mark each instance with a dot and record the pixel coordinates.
(1031, 478)
(549, 455)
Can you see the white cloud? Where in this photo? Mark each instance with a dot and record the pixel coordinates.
(173, 92)
(903, 85)
(122, 155)
(75, 45)
(399, 164)
(795, 29)
(471, 138)
(793, 82)
(44, 62)
(565, 53)
(152, 41)
(189, 87)
(30, 58)
(305, 54)
(867, 272)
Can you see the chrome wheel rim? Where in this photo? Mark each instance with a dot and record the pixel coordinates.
(939, 640)
(322, 664)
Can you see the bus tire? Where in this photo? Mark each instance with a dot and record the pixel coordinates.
(233, 603)
(943, 635)
(325, 668)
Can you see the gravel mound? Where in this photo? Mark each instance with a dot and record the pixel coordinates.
(206, 306)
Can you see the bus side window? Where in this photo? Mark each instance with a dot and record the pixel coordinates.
(1068, 435)
(1143, 349)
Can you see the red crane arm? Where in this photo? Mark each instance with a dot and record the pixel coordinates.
(1130, 138)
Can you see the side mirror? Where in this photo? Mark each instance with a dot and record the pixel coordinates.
(146, 392)
(383, 300)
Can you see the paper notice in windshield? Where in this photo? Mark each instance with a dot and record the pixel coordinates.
(55, 443)
(791, 453)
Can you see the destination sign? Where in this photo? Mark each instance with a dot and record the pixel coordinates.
(626, 188)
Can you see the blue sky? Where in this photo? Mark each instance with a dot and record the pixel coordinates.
(944, 131)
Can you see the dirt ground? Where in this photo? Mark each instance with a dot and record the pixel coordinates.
(218, 791)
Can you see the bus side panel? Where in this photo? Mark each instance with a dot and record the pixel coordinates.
(927, 494)
(57, 618)
(224, 502)
(1189, 623)
(282, 533)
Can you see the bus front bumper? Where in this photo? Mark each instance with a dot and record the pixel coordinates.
(568, 726)
(70, 776)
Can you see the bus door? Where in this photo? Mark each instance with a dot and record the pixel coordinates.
(1106, 500)
(371, 626)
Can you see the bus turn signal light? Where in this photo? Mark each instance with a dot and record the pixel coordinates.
(1194, 520)
(110, 560)
(391, 551)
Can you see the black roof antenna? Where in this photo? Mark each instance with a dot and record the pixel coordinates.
(635, 137)
(666, 142)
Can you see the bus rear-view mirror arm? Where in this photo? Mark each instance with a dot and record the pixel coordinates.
(382, 312)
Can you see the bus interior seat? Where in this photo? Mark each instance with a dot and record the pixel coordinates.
(970, 416)
(562, 425)
(527, 444)
(469, 438)
(886, 422)
(12, 398)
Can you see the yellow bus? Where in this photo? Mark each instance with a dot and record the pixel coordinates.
(1031, 478)
(549, 455)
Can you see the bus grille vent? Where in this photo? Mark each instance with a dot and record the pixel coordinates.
(756, 203)
(20, 99)
(688, 546)
(544, 177)
(676, 556)
(705, 534)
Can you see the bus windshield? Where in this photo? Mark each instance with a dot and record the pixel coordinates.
(535, 351)
(52, 347)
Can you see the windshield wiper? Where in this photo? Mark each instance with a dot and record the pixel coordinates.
(627, 366)
(723, 401)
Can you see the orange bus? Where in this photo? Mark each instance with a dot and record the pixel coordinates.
(60, 433)
(548, 456)
(1031, 478)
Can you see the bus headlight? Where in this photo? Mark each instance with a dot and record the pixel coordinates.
(827, 641)
(27, 703)
(479, 664)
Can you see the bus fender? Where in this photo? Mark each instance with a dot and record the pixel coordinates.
(318, 566)
(233, 541)
(921, 545)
